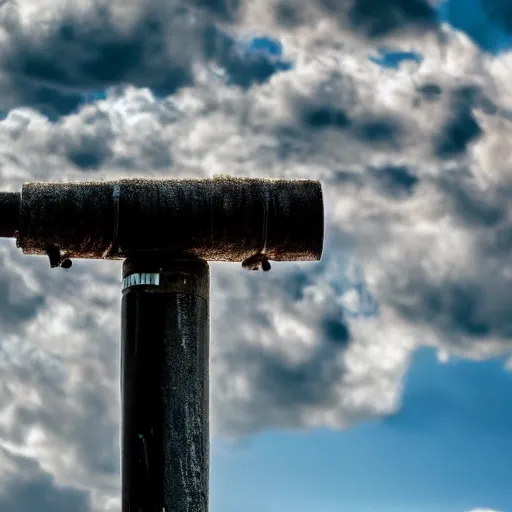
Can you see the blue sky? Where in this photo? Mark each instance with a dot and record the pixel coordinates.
(445, 450)
(480, 24)
(331, 382)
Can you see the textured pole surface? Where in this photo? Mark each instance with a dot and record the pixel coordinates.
(165, 385)
(219, 219)
(9, 213)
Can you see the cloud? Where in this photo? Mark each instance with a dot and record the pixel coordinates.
(364, 17)
(59, 398)
(27, 487)
(379, 19)
(482, 510)
(95, 51)
(153, 44)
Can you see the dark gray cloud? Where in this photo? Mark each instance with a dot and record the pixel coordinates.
(294, 288)
(326, 117)
(474, 97)
(379, 131)
(243, 68)
(287, 15)
(460, 130)
(378, 19)
(91, 146)
(430, 92)
(461, 127)
(94, 53)
(18, 302)
(94, 432)
(469, 305)
(33, 489)
(226, 10)
(158, 50)
(369, 128)
(454, 307)
(373, 20)
(469, 204)
(41, 495)
(396, 182)
(276, 383)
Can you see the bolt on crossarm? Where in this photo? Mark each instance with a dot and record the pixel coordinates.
(166, 231)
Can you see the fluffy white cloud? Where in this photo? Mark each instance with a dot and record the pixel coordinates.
(482, 510)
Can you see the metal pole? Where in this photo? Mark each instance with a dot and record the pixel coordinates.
(167, 229)
(165, 384)
(10, 203)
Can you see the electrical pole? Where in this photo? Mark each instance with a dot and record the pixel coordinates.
(166, 231)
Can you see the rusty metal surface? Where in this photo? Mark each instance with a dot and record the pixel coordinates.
(164, 388)
(219, 219)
